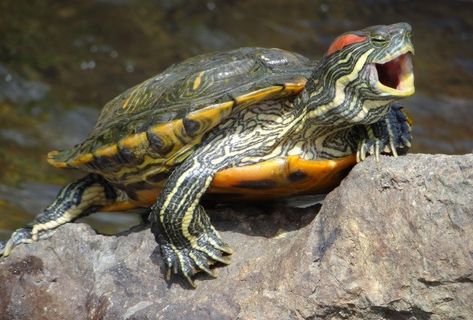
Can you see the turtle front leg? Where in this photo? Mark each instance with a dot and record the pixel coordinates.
(188, 241)
(75, 200)
(390, 135)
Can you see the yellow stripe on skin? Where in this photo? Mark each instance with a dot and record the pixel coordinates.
(197, 81)
(95, 195)
(187, 218)
(340, 86)
(169, 197)
(130, 101)
(366, 107)
(125, 104)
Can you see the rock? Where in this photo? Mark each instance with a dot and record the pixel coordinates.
(394, 241)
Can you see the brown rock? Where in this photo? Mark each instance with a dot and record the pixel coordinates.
(394, 241)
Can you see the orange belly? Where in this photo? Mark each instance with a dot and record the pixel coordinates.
(269, 179)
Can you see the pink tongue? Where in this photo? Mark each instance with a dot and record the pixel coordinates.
(389, 72)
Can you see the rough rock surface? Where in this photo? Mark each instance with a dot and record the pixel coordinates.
(394, 241)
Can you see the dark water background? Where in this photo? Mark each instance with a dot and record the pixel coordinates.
(61, 61)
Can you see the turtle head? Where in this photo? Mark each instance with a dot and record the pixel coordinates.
(361, 74)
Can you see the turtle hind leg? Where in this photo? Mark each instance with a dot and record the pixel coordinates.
(75, 200)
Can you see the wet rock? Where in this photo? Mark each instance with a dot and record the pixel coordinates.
(392, 242)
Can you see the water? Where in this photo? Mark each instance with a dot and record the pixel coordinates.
(60, 62)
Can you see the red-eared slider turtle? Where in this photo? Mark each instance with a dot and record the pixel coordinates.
(252, 122)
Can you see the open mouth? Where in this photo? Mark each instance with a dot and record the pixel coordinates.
(394, 77)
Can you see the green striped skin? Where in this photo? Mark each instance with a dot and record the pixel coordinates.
(345, 109)
(75, 200)
(340, 92)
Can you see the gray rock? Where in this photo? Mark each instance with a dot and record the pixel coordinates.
(394, 241)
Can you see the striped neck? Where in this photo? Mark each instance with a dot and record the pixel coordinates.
(338, 93)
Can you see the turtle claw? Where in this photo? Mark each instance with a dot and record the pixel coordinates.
(189, 280)
(18, 237)
(376, 150)
(406, 141)
(374, 147)
(22, 235)
(8, 248)
(389, 135)
(203, 265)
(392, 148)
(188, 261)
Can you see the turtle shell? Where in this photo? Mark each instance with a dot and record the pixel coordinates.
(160, 120)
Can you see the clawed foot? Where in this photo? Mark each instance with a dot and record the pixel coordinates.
(23, 235)
(199, 256)
(20, 236)
(387, 136)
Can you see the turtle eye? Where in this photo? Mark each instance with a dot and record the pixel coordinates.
(378, 39)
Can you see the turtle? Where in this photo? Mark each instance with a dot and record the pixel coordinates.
(254, 123)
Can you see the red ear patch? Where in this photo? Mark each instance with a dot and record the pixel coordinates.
(343, 41)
